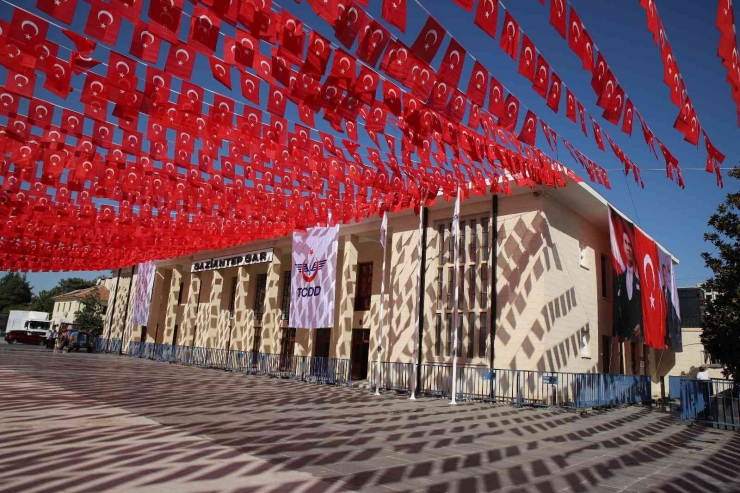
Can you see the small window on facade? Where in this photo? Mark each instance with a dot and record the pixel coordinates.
(462, 237)
(582, 257)
(473, 246)
(259, 296)
(461, 287)
(460, 339)
(232, 295)
(179, 294)
(450, 287)
(364, 290)
(442, 249)
(486, 243)
(448, 341)
(483, 342)
(471, 335)
(471, 289)
(604, 277)
(440, 285)
(438, 336)
(484, 287)
(285, 304)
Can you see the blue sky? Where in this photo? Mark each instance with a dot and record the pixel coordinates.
(676, 218)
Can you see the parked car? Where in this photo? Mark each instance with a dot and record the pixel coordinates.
(26, 336)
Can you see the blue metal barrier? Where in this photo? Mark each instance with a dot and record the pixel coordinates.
(393, 376)
(105, 345)
(715, 402)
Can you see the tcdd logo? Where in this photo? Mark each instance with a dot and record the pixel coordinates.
(309, 271)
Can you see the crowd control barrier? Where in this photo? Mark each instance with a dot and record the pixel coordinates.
(105, 345)
(715, 402)
(333, 371)
(518, 387)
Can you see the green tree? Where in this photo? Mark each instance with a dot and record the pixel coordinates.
(721, 320)
(15, 292)
(91, 316)
(44, 301)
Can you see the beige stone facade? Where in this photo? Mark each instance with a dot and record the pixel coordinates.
(536, 267)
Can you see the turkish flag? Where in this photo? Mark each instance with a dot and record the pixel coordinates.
(317, 58)
(291, 37)
(511, 113)
(613, 112)
(429, 40)
(128, 9)
(144, 44)
(62, 11)
(510, 37)
(103, 24)
(21, 84)
(607, 90)
(394, 62)
(204, 29)
(557, 16)
(687, 123)
(180, 61)
(343, 70)
(392, 98)
(528, 135)
(277, 101)
(486, 16)
(451, 67)
(542, 77)
(83, 45)
(58, 77)
(628, 117)
(527, 60)
(221, 71)
(478, 84)
(348, 26)
(597, 134)
(496, 98)
(241, 49)
(27, 30)
(553, 97)
(582, 116)
(394, 12)
(250, 86)
(372, 43)
(587, 51)
(653, 315)
(574, 34)
(165, 19)
(599, 74)
(366, 85)
(121, 74)
(456, 106)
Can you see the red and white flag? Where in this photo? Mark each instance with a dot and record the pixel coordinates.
(313, 279)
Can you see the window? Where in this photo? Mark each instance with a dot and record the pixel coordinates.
(604, 277)
(582, 257)
(483, 342)
(179, 293)
(232, 295)
(438, 336)
(364, 291)
(471, 335)
(460, 339)
(259, 296)
(285, 304)
(471, 274)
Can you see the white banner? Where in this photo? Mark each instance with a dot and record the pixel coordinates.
(143, 298)
(313, 279)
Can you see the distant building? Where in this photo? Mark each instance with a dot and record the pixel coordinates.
(67, 305)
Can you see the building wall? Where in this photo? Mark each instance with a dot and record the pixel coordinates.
(551, 313)
(64, 311)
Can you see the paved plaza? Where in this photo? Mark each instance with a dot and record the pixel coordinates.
(96, 422)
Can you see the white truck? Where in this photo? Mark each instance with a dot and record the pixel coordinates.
(26, 327)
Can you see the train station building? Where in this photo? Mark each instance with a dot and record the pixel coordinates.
(535, 292)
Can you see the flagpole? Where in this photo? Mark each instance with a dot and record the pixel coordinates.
(383, 233)
(456, 293)
(418, 297)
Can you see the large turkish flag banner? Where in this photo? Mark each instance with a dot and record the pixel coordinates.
(653, 311)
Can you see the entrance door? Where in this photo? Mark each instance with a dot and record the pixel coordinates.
(323, 342)
(174, 336)
(143, 333)
(287, 349)
(360, 353)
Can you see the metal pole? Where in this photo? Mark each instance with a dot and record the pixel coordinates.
(456, 294)
(418, 298)
(115, 299)
(493, 262)
(125, 312)
(380, 312)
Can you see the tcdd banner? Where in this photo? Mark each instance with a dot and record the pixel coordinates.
(313, 279)
(143, 299)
